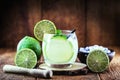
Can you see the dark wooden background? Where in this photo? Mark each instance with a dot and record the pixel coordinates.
(96, 21)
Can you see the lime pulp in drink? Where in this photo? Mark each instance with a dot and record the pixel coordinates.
(59, 49)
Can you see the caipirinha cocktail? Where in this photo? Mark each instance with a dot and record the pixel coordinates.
(58, 49)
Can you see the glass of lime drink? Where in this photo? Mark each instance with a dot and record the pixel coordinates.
(60, 50)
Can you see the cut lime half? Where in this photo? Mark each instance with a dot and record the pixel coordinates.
(26, 58)
(44, 26)
(97, 61)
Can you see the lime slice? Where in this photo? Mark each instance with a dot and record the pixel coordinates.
(59, 50)
(44, 26)
(26, 58)
(97, 61)
(31, 43)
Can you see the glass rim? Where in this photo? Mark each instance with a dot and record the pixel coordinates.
(64, 31)
(67, 30)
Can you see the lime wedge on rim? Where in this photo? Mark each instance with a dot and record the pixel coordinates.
(44, 26)
(26, 58)
(97, 61)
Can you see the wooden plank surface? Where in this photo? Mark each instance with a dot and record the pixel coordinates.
(18, 19)
(66, 15)
(96, 21)
(34, 14)
(112, 73)
(102, 22)
(14, 22)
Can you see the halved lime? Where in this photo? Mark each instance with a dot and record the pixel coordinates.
(97, 61)
(26, 58)
(44, 26)
(31, 43)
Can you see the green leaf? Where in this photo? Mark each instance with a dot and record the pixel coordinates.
(59, 31)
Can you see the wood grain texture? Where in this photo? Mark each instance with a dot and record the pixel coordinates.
(14, 23)
(66, 15)
(112, 73)
(96, 21)
(18, 20)
(101, 22)
(34, 13)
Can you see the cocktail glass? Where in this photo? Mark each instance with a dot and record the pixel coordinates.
(59, 51)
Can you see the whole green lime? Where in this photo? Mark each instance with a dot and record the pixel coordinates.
(31, 43)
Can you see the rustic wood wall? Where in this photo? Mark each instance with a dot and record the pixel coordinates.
(96, 21)
(103, 18)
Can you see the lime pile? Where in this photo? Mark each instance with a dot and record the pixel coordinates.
(29, 49)
(28, 52)
(31, 43)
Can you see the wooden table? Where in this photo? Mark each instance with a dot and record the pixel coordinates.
(112, 73)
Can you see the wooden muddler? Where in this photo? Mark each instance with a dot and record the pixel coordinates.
(33, 72)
